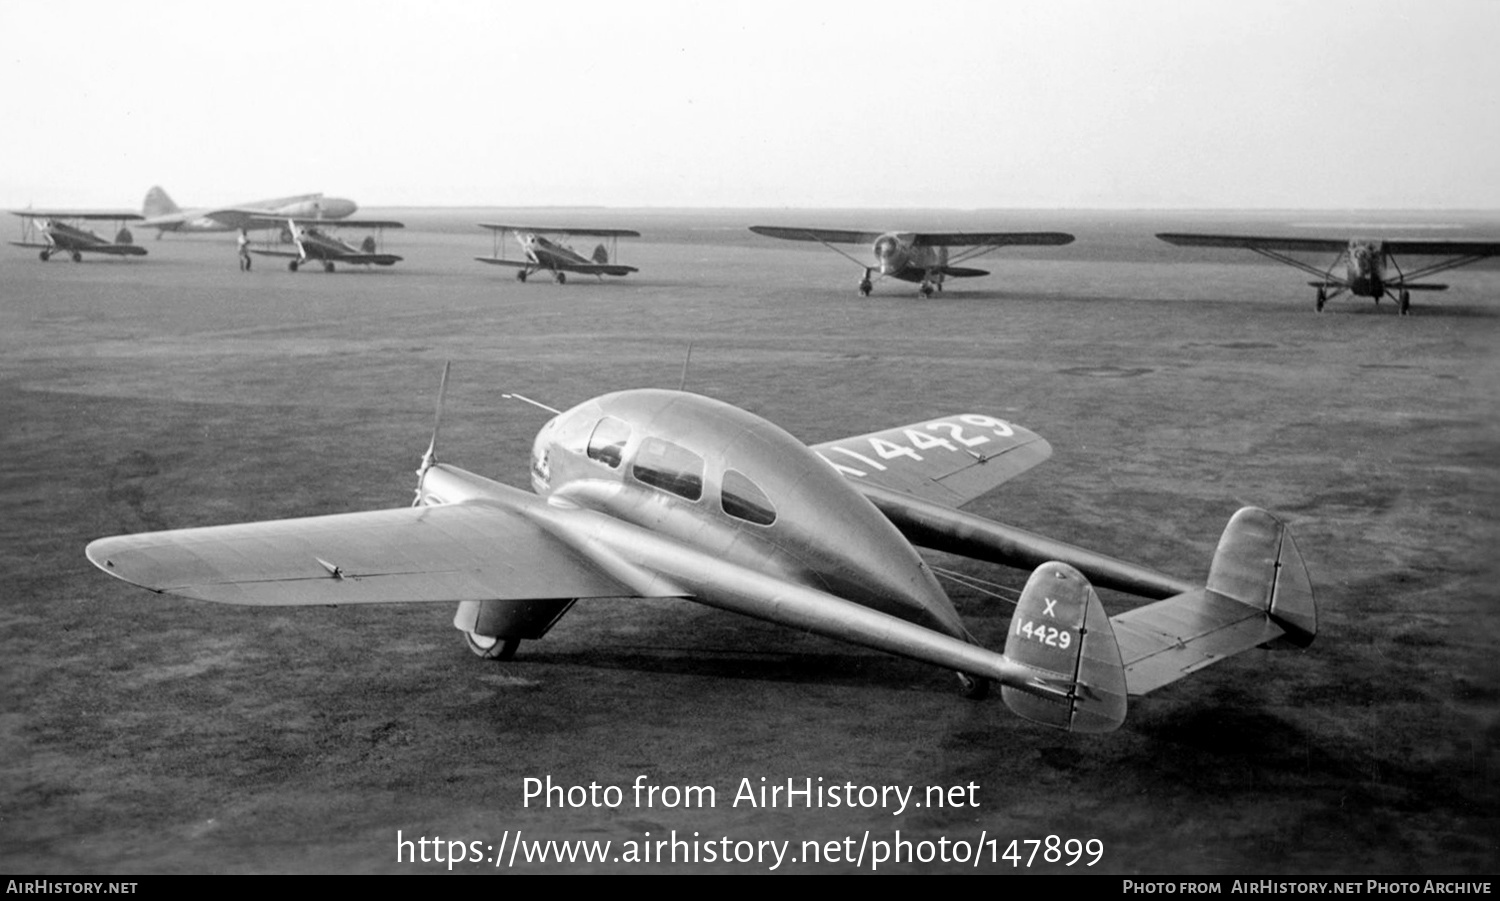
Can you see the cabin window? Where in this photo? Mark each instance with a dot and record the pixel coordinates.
(662, 464)
(607, 444)
(743, 499)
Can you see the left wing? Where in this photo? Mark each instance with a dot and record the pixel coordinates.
(820, 235)
(989, 239)
(112, 215)
(472, 551)
(949, 460)
(258, 219)
(585, 268)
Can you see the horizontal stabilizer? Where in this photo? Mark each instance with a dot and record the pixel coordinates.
(1059, 626)
(1258, 594)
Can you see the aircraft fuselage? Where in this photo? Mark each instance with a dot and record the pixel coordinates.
(548, 254)
(1365, 268)
(897, 256)
(722, 482)
(304, 206)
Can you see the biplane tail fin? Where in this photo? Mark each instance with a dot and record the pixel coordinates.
(601, 255)
(157, 203)
(1258, 594)
(1060, 630)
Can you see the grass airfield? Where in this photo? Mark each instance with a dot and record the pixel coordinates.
(142, 733)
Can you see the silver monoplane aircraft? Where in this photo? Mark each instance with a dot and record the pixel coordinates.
(164, 215)
(666, 494)
(1367, 262)
(925, 259)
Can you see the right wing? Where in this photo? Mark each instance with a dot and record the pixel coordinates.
(585, 268)
(1252, 242)
(113, 215)
(820, 235)
(457, 552)
(949, 460)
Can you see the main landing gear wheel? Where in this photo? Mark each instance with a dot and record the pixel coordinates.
(77, 257)
(488, 647)
(974, 688)
(560, 277)
(1322, 299)
(521, 275)
(327, 266)
(292, 265)
(45, 255)
(1404, 303)
(925, 290)
(865, 288)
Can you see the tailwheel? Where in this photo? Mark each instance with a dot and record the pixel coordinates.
(521, 275)
(1322, 299)
(974, 688)
(77, 257)
(1404, 302)
(327, 265)
(488, 647)
(292, 265)
(560, 277)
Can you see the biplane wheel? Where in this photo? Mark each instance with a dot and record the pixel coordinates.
(520, 275)
(974, 688)
(488, 647)
(292, 265)
(45, 255)
(1322, 299)
(561, 277)
(327, 265)
(925, 290)
(77, 257)
(1404, 305)
(865, 288)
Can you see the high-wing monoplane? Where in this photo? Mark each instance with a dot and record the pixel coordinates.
(666, 494)
(314, 241)
(62, 231)
(1368, 262)
(926, 259)
(165, 216)
(540, 252)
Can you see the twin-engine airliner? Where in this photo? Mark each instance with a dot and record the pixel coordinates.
(165, 216)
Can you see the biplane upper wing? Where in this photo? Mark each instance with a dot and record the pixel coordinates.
(989, 239)
(112, 215)
(949, 460)
(479, 550)
(558, 230)
(820, 235)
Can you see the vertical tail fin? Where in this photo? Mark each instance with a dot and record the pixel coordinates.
(157, 203)
(1060, 629)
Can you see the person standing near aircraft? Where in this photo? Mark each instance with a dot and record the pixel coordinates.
(244, 242)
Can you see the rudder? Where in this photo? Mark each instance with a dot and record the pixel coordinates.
(1257, 563)
(1060, 627)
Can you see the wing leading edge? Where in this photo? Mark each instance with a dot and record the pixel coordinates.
(480, 550)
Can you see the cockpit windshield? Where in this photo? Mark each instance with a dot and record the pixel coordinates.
(607, 443)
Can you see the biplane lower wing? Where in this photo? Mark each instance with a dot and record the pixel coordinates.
(362, 259)
(114, 250)
(584, 268)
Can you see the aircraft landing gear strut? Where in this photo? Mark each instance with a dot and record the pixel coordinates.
(1321, 300)
(974, 688)
(865, 287)
(1403, 303)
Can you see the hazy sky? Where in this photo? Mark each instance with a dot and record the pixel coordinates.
(1325, 104)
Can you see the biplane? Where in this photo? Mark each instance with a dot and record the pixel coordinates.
(314, 242)
(165, 216)
(62, 231)
(667, 494)
(540, 252)
(1368, 263)
(926, 259)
